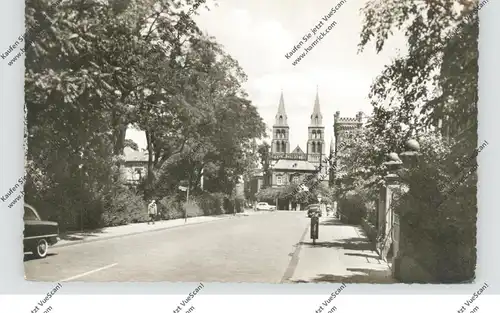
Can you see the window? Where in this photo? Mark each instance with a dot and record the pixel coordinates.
(277, 147)
(316, 119)
(30, 214)
(313, 147)
(283, 147)
(295, 179)
(279, 180)
(319, 134)
(281, 119)
(137, 173)
(318, 148)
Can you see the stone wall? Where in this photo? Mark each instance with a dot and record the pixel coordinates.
(370, 230)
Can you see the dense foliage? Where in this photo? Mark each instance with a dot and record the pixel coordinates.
(100, 67)
(434, 85)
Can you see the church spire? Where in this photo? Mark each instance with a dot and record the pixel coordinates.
(316, 117)
(281, 118)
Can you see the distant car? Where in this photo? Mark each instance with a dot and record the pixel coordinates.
(313, 209)
(38, 234)
(264, 206)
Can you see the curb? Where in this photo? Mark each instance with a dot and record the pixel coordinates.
(139, 232)
(294, 261)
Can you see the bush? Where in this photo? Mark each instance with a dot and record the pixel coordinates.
(438, 213)
(211, 203)
(192, 208)
(234, 204)
(371, 217)
(353, 209)
(205, 204)
(170, 208)
(126, 207)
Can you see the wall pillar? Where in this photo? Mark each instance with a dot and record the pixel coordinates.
(392, 184)
(405, 268)
(385, 215)
(381, 209)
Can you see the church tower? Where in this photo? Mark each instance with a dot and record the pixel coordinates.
(280, 142)
(316, 135)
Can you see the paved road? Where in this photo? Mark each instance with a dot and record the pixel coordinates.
(255, 248)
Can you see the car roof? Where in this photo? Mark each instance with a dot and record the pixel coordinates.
(311, 206)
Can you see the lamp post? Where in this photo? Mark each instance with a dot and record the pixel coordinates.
(80, 166)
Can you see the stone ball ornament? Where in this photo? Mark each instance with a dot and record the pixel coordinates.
(393, 156)
(413, 145)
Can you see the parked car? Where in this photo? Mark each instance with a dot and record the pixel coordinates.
(313, 209)
(264, 206)
(38, 234)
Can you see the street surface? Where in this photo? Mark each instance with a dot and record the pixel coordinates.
(257, 248)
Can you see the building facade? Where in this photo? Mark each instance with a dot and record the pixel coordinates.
(293, 167)
(135, 166)
(343, 127)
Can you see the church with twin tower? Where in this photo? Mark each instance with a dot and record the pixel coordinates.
(292, 167)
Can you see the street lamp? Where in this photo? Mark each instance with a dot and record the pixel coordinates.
(80, 166)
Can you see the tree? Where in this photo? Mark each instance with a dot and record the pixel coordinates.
(131, 144)
(438, 77)
(98, 67)
(264, 155)
(436, 82)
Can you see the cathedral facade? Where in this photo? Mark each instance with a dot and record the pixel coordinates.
(293, 167)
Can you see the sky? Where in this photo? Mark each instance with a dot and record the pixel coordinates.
(259, 33)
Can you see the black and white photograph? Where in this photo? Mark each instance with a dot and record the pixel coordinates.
(251, 141)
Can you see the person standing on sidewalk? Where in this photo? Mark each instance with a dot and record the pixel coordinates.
(152, 211)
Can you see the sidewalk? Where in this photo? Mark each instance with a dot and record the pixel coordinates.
(67, 239)
(341, 254)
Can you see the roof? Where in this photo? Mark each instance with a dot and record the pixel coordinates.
(298, 150)
(281, 118)
(316, 116)
(130, 155)
(258, 172)
(299, 165)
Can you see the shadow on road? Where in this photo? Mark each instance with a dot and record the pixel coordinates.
(331, 222)
(30, 256)
(363, 255)
(360, 276)
(75, 236)
(354, 243)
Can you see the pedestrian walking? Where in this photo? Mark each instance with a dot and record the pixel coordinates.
(152, 211)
